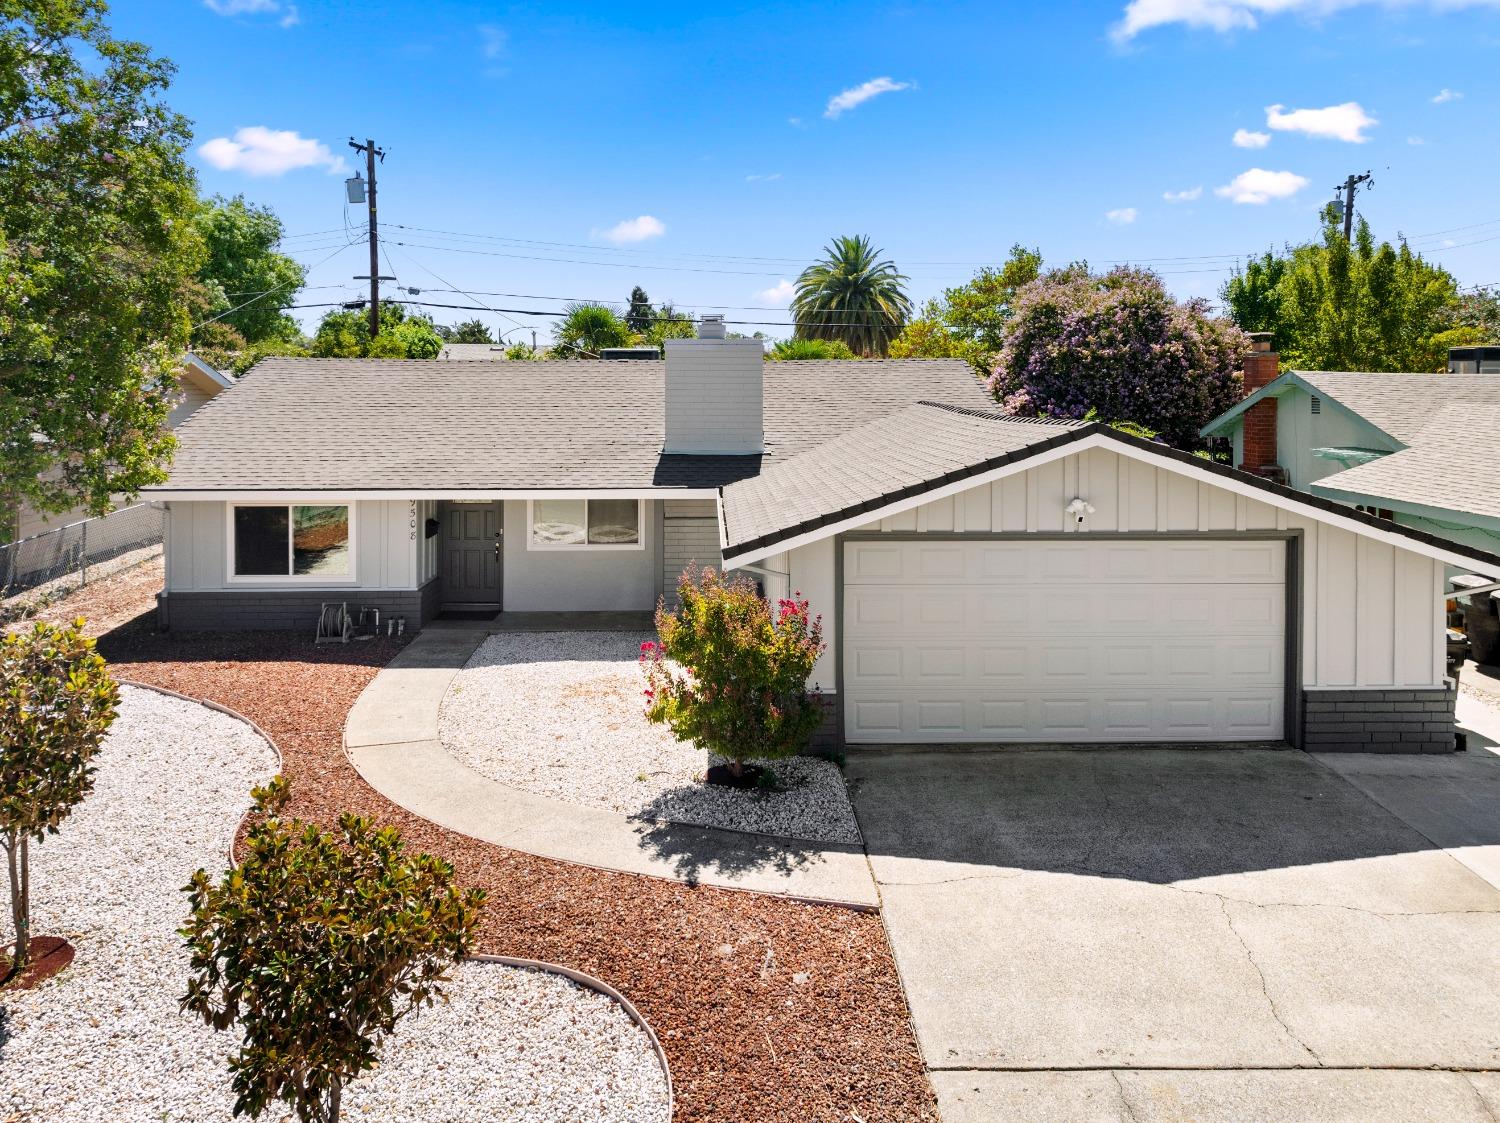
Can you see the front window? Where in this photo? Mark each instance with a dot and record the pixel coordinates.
(291, 541)
(582, 523)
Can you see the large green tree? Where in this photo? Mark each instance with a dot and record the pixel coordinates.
(968, 322)
(853, 295)
(249, 284)
(98, 253)
(469, 331)
(345, 334)
(1349, 304)
(638, 311)
(1116, 347)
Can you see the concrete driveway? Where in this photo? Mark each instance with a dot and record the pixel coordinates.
(1175, 935)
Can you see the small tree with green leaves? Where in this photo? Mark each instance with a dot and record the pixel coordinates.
(730, 673)
(57, 702)
(470, 331)
(792, 350)
(315, 947)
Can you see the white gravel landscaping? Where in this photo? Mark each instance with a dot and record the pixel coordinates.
(561, 714)
(104, 1039)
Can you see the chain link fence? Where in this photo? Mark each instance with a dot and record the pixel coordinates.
(67, 557)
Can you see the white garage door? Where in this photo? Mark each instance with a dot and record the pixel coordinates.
(1064, 640)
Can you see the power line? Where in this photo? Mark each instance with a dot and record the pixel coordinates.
(268, 292)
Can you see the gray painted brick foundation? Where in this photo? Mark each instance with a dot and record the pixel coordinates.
(1378, 721)
(690, 533)
(248, 610)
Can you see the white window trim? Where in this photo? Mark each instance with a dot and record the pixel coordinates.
(590, 547)
(314, 580)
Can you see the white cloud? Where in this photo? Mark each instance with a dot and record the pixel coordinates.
(257, 150)
(1190, 195)
(1245, 15)
(1415, 141)
(778, 295)
(492, 40)
(1346, 122)
(772, 178)
(841, 103)
(1244, 138)
(1120, 216)
(1260, 186)
(634, 230)
(1446, 94)
(287, 13)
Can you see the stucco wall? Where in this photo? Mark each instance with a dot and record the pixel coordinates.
(385, 549)
(1371, 614)
(580, 580)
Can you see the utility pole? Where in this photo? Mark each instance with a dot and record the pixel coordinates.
(370, 151)
(1348, 187)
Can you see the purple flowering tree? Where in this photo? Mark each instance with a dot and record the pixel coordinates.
(1119, 348)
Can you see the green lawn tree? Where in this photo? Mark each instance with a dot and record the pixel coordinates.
(790, 350)
(730, 671)
(99, 251)
(853, 295)
(250, 285)
(470, 331)
(315, 947)
(639, 314)
(968, 321)
(1350, 304)
(57, 702)
(345, 334)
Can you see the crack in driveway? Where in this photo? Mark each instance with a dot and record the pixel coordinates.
(1264, 988)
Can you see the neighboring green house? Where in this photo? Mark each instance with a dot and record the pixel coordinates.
(1414, 448)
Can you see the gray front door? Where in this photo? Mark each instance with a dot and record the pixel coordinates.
(471, 555)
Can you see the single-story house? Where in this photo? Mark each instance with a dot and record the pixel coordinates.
(981, 578)
(1412, 447)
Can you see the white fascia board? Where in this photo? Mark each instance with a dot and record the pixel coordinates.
(1294, 506)
(1407, 507)
(895, 507)
(241, 495)
(217, 377)
(1454, 556)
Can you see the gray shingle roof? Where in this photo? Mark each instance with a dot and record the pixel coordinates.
(1450, 465)
(904, 453)
(364, 424)
(1403, 404)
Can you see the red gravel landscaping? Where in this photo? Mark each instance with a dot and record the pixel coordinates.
(714, 971)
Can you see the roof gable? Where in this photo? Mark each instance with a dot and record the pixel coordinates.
(754, 504)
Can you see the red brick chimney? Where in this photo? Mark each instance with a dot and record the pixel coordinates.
(1258, 440)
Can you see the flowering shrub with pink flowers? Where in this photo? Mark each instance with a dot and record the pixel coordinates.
(730, 672)
(1120, 347)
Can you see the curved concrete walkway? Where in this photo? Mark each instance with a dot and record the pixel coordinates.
(391, 737)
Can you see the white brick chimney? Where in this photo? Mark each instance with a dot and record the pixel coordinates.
(715, 393)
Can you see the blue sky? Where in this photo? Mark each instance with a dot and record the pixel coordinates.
(707, 151)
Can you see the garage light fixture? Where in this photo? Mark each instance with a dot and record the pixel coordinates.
(1079, 508)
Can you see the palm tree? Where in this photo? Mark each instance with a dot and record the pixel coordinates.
(851, 296)
(586, 329)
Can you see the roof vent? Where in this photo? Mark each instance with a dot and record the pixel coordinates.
(1317, 404)
(711, 326)
(629, 353)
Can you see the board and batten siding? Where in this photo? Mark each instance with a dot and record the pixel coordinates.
(387, 535)
(1370, 611)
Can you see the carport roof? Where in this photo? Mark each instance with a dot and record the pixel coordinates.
(930, 445)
